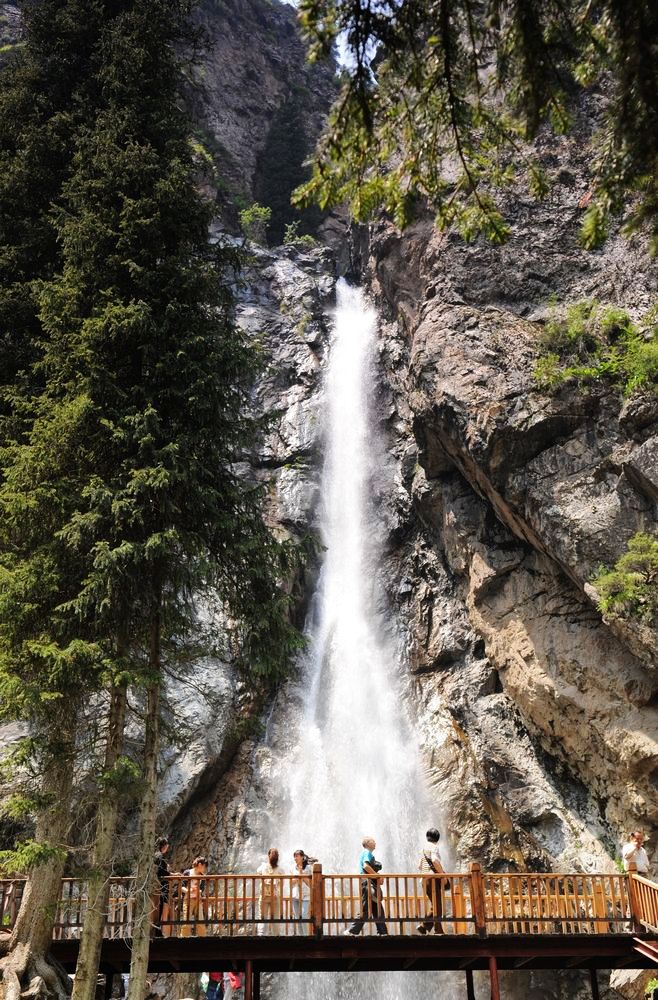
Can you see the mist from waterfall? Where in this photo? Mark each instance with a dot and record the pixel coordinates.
(354, 768)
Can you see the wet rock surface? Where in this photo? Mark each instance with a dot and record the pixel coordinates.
(282, 304)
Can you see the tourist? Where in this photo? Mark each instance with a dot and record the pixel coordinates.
(371, 898)
(233, 985)
(163, 873)
(430, 864)
(269, 895)
(194, 912)
(215, 989)
(301, 887)
(634, 853)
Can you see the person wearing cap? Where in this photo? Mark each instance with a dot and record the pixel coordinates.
(430, 864)
(634, 853)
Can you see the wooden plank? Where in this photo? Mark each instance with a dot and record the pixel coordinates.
(317, 899)
(470, 988)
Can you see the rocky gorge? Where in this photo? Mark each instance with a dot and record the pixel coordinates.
(535, 717)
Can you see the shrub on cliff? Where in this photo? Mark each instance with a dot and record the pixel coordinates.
(630, 588)
(587, 341)
(254, 221)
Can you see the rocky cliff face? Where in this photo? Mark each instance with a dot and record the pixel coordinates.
(520, 497)
(262, 106)
(537, 719)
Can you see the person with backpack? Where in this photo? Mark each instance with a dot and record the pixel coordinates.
(430, 864)
(269, 896)
(372, 907)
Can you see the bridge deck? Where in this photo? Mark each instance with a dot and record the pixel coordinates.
(292, 923)
(340, 954)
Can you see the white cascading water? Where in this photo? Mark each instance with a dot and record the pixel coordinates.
(354, 768)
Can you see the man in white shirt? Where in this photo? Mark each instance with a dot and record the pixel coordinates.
(634, 853)
(430, 864)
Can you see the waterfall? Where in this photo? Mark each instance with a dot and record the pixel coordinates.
(353, 768)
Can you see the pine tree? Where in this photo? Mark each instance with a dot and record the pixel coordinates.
(441, 97)
(123, 439)
(141, 384)
(44, 661)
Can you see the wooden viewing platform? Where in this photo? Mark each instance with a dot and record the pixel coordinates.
(490, 921)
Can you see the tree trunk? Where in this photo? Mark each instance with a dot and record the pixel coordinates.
(86, 971)
(27, 961)
(144, 888)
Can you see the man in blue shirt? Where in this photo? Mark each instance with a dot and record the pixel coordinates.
(371, 902)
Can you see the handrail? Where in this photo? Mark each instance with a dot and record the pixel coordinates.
(400, 904)
(645, 895)
(551, 902)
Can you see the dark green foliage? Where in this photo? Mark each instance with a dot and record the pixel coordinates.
(442, 96)
(630, 588)
(281, 169)
(43, 94)
(588, 341)
(254, 221)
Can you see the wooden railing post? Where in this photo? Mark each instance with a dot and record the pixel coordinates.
(317, 899)
(633, 896)
(477, 899)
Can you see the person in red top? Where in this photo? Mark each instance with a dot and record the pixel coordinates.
(233, 981)
(215, 989)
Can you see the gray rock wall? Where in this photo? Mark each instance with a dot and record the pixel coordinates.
(518, 498)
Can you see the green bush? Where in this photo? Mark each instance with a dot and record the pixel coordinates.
(587, 340)
(253, 221)
(630, 587)
(292, 236)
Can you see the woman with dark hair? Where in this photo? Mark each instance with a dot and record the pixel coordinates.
(430, 864)
(162, 872)
(194, 912)
(301, 886)
(269, 896)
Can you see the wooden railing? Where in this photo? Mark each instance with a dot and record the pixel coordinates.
(400, 904)
(557, 904)
(645, 902)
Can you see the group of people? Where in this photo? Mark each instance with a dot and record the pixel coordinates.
(270, 893)
(372, 904)
(269, 898)
(270, 890)
(190, 909)
(192, 889)
(224, 985)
